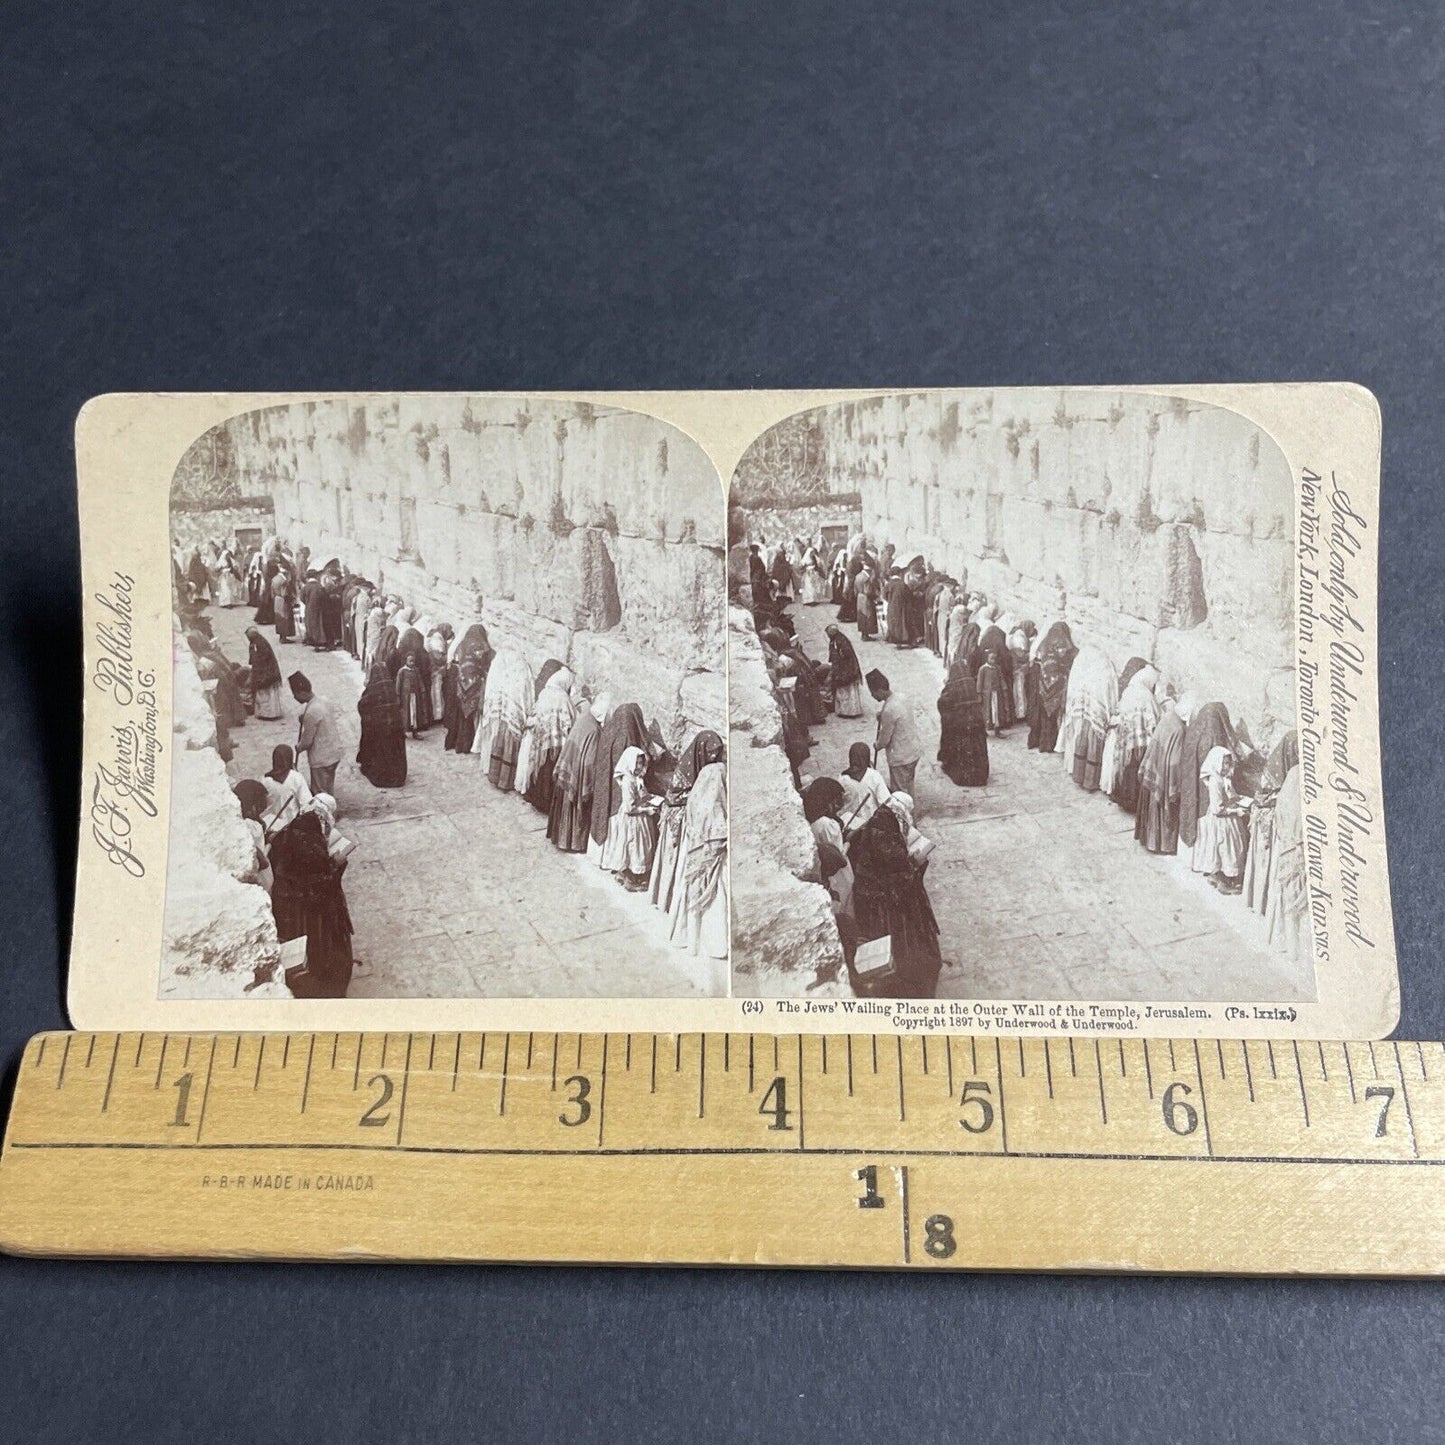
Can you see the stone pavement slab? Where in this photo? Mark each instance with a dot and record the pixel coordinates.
(454, 890)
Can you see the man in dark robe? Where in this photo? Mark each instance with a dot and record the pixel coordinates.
(889, 899)
(914, 608)
(381, 755)
(348, 616)
(757, 575)
(332, 612)
(848, 600)
(197, 576)
(895, 617)
(311, 597)
(781, 574)
(963, 737)
(265, 614)
(308, 902)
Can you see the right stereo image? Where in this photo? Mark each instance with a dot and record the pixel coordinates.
(1013, 703)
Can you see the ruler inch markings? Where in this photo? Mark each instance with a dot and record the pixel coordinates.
(1405, 1099)
(1002, 1109)
(840, 1151)
(405, 1080)
(110, 1077)
(903, 1209)
(696, 1115)
(206, 1091)
(602, 1095)
(802, 1137)
(1204, 1100)
(306, 1082)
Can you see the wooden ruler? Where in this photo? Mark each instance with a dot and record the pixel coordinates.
(838, 1150)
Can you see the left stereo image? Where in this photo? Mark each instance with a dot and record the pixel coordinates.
(448, 705)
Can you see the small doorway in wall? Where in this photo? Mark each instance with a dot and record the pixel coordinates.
(248, 540)
(833, 538)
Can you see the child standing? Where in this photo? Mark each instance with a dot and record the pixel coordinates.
(633, 832)
(409, 694)
(990, 692)
(1223, 838)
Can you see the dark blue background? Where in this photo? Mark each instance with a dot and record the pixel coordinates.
(466, 196)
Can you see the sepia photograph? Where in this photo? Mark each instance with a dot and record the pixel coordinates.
(449, 680)
(1013, 703)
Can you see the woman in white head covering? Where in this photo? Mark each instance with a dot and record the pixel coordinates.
(632, 833)
(700, 905)
(375, 626)
(1089, 703)
(1222, 837)
(919, 847)
(438, 639)
(1133, 726)
(507, 705)
(669, 858)
(1018, 646)
(547, 731)
(324, 806)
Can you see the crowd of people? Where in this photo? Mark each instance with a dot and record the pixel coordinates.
(1195, 787)
(603, 778)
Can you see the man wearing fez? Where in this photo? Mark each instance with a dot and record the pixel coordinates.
(897, 733)
(318, 737)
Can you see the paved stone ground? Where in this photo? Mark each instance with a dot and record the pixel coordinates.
(454, 890)
(1040, 890)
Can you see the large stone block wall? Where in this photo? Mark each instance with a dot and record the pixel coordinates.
(217, 524)
(595, 535)
(1155, 526)
(783, 925)
(774, 525)
(218, 930)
